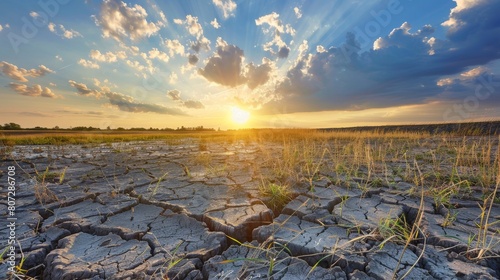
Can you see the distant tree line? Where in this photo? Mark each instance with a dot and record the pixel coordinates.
(10, 126)
(15, 126)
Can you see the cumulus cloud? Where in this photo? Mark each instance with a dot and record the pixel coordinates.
(258, 75)
(20, 74)
(298, 12)
(402, 37)
(201, 44)
(172, 79)
(195, 29)
(88, 64)
(123, 102)
(226, 68)
(138, 66)
(157, 54)
(193, 26)
(103, 57)
(464, 77)
(227, 7)
(472, 36)
(118, 21)
(456, 20)
(105, 85)
(1, 27)
(62, 32)
(174, 47)
(272, 24)
(407, 66)
(272, 20)
(214, 23)
(35, 90)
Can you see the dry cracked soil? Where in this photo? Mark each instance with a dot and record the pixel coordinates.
(154, 210)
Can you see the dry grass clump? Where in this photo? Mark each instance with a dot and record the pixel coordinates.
(275, 196)
(42, 193)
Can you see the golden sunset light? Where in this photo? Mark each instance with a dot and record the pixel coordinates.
(239, 116)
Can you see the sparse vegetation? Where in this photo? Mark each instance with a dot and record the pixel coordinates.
(275, 196)
(42, 193)
(438, 167)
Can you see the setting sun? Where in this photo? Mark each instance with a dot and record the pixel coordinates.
(239, 116)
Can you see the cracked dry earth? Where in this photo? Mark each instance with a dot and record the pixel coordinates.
(152, 210)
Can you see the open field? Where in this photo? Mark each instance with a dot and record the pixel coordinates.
(255, 204)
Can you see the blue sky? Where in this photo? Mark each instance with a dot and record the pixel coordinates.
(289, 63)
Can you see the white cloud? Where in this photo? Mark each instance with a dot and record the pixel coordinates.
(214, 23)
(172, 79)
(135, 64)
(103, 57)
(34, 14)
(160, 13)
(155, 53)
(298, 12)
(62, 32)
(119, 21)
(464, 77)
(193, 26)
(20, 74)
(58, 57)
(272, 20)
(88, 64)
(453, 21)
(202, 44)
(36, 90)
(195, 29)
(52, 27)
(105, 85)
(474, 72)
(278, 28)
(178, 21)
(174, 47)
(1, 27)
(226, 6)
(402, 36)
(303, 48)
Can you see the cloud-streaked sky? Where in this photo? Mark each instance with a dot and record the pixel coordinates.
(299, 63)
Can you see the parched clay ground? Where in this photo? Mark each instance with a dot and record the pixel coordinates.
(152, 210)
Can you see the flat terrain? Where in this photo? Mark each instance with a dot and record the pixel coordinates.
(293, 204)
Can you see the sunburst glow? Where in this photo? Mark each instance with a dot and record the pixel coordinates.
(239, 116)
